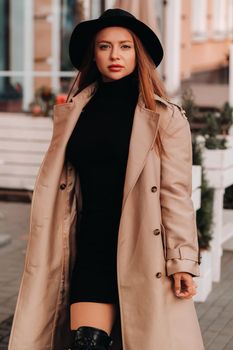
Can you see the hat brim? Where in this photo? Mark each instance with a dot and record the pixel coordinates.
(84, 32)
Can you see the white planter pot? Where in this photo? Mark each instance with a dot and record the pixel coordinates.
(218, 158)
(218, 165)
(231, 131)
(229, 140)
(204, 282)
(227, 230)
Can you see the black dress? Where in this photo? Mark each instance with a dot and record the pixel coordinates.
(98, 149)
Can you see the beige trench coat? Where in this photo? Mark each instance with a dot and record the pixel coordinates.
(157, 237)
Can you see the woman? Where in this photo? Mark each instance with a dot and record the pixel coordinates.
(113, 244)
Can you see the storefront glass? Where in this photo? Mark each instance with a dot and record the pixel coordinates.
(34, 46)
(11, 48)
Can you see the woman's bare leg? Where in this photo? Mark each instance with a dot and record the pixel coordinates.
(99, 315)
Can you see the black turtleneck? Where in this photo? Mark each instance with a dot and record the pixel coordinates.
(98, 149)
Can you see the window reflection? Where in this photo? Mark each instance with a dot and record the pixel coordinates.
(11, 57)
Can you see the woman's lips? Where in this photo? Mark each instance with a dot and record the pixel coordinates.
(115, 68)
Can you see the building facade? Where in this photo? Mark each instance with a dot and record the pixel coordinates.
(34, 37)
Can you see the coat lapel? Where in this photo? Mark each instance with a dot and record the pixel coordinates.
(67, 115)
(143, 135)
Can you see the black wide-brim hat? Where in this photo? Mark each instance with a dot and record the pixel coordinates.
(84, 32)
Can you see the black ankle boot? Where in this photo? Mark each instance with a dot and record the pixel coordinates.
(91, 338)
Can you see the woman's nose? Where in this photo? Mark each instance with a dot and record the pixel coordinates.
(114, 53)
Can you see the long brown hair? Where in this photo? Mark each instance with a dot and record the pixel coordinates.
(149, 81)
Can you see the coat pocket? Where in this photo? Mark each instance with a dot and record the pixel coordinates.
(164, 241)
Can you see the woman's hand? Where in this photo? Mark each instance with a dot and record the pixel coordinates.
(184, 286)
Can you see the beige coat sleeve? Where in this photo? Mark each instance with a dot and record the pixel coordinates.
(178, 214)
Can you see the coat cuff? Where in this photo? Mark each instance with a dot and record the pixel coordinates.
(182, 259)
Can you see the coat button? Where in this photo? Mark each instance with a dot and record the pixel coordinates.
(153, 189)
(156, 232)
(158, 275)
(62, 186)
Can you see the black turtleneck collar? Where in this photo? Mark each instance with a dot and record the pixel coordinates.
(126, 86)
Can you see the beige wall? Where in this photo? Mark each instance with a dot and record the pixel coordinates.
(200, 56)
(43, 34)
(185, 39)
(209, 56)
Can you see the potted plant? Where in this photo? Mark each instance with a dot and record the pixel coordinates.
(43, 102)
(204, 217)
(214, 126)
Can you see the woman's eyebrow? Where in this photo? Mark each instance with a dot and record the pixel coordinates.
(109, 42)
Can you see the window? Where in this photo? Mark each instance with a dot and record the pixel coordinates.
(69, 16)
(220, 20)
(199, 20)
(11, 58)
(230, 19)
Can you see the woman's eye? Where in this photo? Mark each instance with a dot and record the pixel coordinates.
(104, 46)
(126, 46)
(107, 46)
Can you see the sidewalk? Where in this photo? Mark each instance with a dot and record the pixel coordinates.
(14, 221)
(215, 315)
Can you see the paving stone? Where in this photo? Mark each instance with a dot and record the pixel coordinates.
(3, 316)
(4, 239)
(229, 345)
(219, 342)
(209, 337)
(219, 324)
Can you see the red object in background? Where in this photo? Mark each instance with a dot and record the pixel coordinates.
(36, 110)
(61, 98)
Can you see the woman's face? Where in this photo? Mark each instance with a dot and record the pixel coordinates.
(114, 53)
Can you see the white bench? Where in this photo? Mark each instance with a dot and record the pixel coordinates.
(23, 142)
